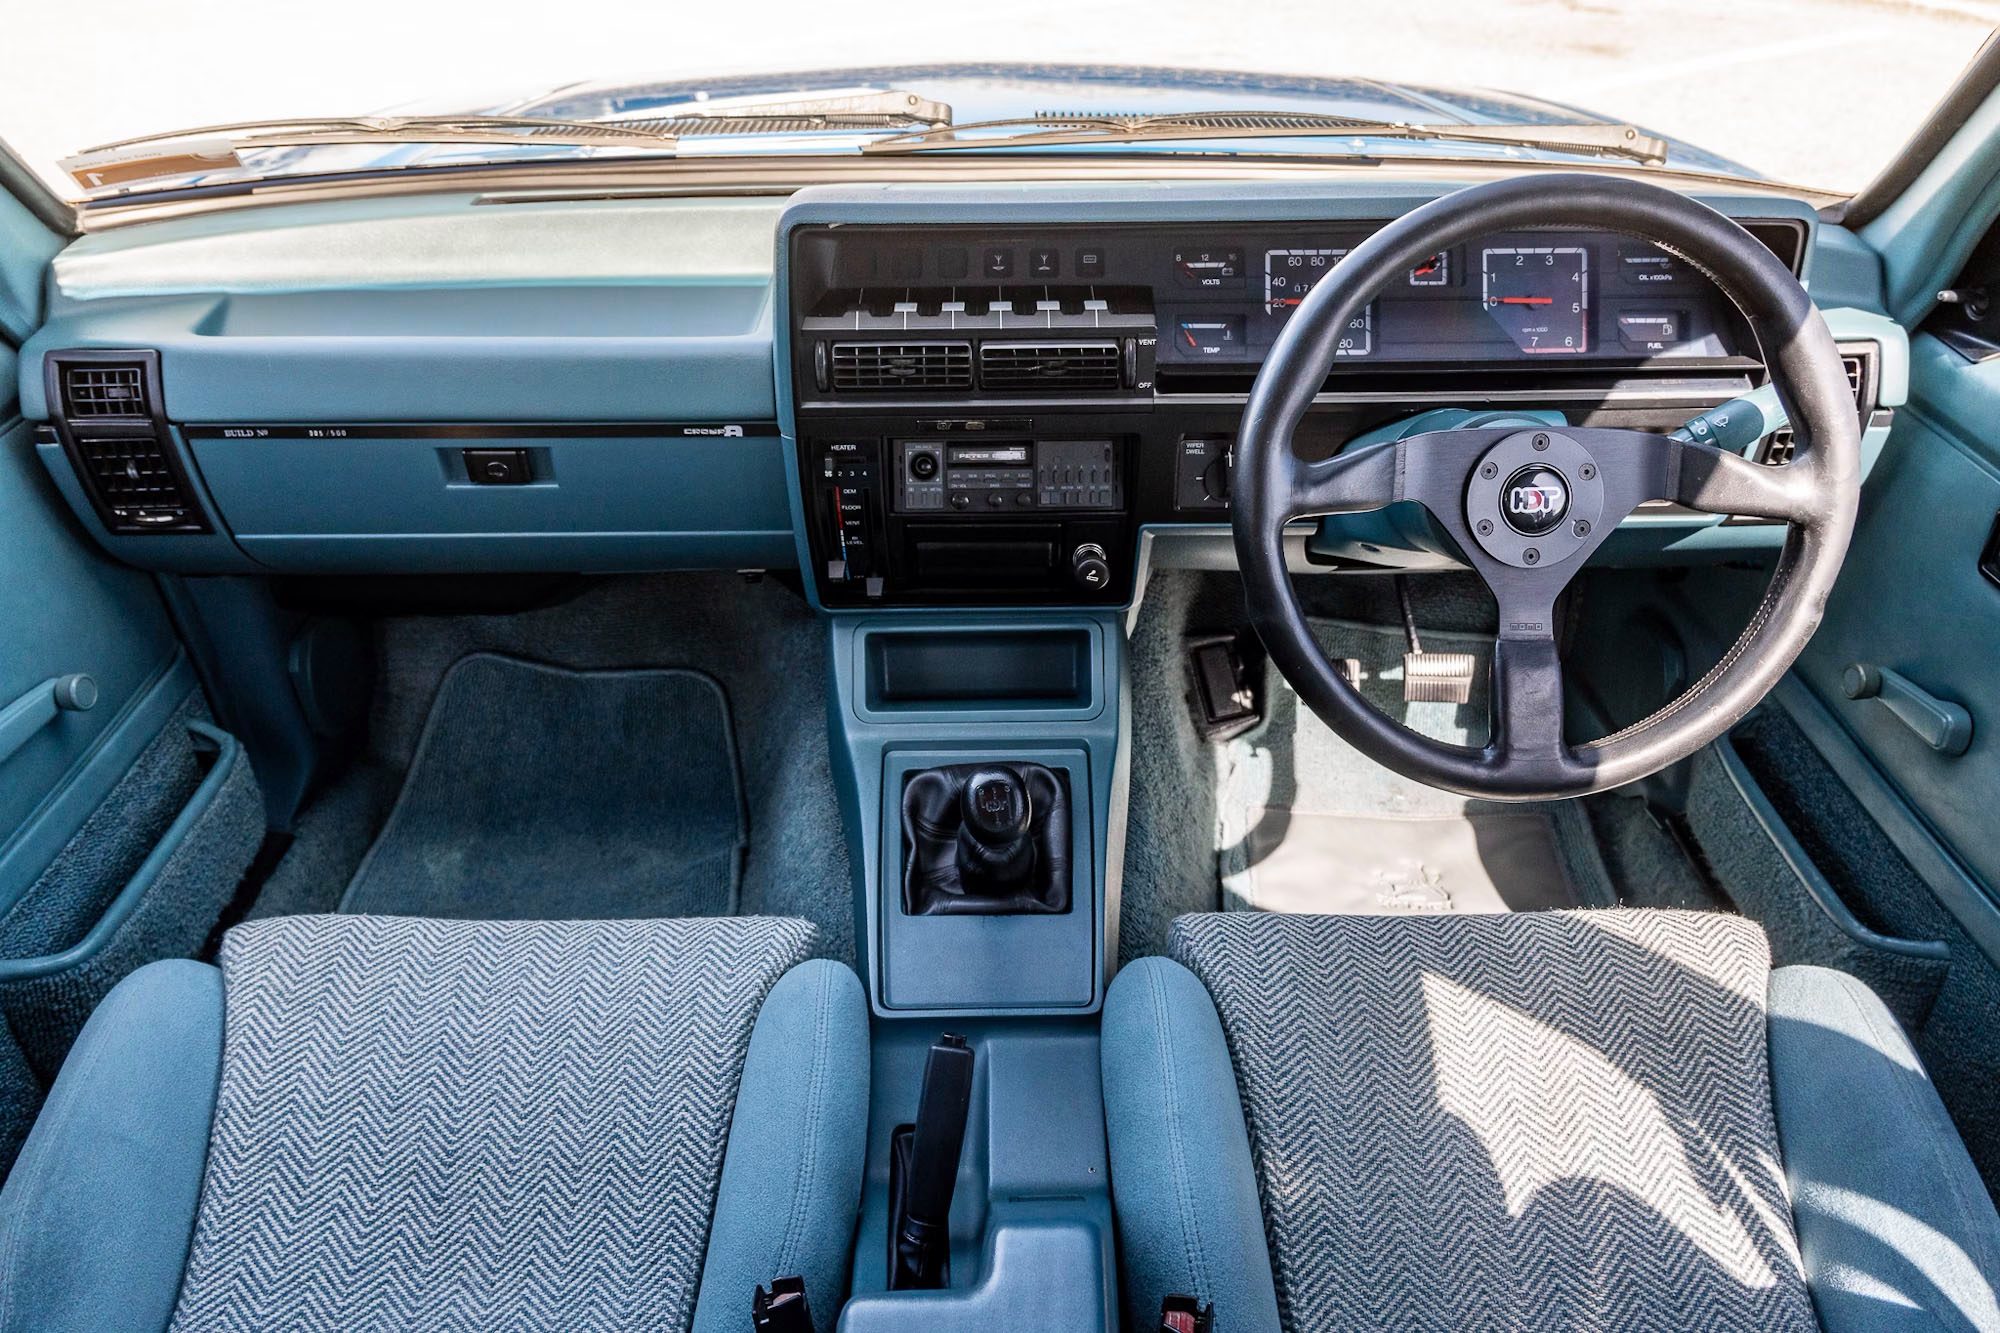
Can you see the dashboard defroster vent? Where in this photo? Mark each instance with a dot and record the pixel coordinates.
(1076, 366)
(872, 367)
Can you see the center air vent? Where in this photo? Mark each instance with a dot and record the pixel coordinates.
(92, 392)
(1074, 366)
(1859, 366)
(874, 367)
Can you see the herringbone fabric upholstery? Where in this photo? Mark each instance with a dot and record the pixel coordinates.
(444, 1125)
(1548, 1120)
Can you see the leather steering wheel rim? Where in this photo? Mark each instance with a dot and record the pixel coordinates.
(1602, 475)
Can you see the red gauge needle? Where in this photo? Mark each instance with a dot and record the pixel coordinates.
(1527, 300)
(1192, 340)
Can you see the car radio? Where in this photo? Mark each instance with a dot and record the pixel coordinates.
(989, 478)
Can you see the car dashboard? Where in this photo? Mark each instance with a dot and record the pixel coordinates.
(918, 396)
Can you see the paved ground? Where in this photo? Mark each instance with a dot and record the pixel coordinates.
(1814, 91)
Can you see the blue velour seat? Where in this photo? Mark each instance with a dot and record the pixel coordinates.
(1609, 1120)
(390, 1123)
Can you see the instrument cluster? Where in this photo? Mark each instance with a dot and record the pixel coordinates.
(1558, 294)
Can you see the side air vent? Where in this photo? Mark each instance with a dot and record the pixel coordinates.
(1860, 368)
(874, 367)
(91, 392)
(1072, 366)
(137, 484)
(110, 422)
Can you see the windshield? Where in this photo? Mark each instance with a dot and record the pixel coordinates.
(1816, 93)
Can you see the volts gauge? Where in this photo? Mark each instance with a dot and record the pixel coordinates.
(1212, 267)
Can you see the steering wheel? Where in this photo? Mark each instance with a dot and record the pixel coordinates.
(1528, 507)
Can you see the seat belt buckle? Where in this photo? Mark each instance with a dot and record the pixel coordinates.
(782, 1309)
(1186, 1314)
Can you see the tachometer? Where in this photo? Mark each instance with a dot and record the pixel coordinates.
(1540, 295)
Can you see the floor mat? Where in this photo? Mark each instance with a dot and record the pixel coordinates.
(1307, 823)
(543, 792)
(1357, 864)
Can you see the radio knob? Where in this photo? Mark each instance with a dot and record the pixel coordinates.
(1089, 567)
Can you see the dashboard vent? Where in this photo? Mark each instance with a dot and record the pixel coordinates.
(1080, 366)
(137, 485)
(108, 422)
(93, 392)
(1778, 450)
(872, 367)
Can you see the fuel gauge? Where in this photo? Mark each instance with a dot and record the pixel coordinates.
(1221, 335)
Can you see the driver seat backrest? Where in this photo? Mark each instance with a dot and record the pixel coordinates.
(1549, 1120)
(386, 1123)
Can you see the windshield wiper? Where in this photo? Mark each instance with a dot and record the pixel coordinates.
(211, 148)
(797, 112)
(220, 147)
(1625, 141)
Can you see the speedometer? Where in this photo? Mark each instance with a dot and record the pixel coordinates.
(1540, 296)
(1290, 274)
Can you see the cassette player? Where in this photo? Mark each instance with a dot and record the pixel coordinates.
(993, 478)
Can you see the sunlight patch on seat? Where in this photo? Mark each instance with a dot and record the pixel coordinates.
(1548, 1108)
(1914, 1243)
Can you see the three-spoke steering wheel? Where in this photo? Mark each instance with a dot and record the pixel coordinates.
(1528, 507)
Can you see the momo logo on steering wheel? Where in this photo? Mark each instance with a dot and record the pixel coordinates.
(1534, 500)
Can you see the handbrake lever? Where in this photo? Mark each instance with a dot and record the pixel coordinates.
(923, 1170)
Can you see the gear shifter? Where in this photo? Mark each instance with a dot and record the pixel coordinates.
(986, 839)
(994, 847)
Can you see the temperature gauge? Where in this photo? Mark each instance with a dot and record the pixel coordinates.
(1220, 336)
(1219, 266)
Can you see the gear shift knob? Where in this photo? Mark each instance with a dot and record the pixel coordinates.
(994, 845)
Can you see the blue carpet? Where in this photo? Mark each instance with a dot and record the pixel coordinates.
(539, 792)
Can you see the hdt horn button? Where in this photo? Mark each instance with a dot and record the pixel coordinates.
(1535, 500)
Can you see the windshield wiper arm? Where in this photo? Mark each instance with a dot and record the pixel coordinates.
(1604, 140)
(779, 113)
(211, 148)
(219, 147)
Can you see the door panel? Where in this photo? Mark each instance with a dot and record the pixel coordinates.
(66, 608)
(1911, 598)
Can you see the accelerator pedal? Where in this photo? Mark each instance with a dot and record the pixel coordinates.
(1431, 678)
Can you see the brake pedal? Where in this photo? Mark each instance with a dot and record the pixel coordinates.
(1431, 678)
